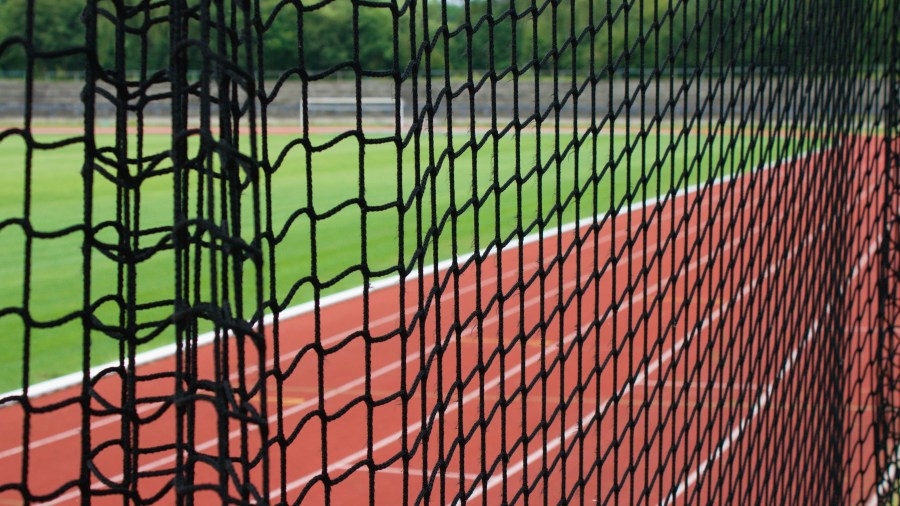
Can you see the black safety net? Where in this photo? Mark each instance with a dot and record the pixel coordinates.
(449, 252)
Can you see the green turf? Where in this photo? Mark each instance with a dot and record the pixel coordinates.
(57, 201)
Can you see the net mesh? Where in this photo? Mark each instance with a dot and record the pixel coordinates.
(447, 252)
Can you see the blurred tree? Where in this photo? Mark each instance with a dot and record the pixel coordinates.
(481, 33)
(57, 27)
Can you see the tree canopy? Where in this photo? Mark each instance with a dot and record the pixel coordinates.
(435, 36)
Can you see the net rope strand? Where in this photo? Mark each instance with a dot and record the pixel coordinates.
(432, 251)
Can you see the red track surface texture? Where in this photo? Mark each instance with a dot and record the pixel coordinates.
(689, 369)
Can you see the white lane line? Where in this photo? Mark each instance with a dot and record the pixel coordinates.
(420, 472)
(415, 355)
(334, 338)
(514, 309)
(410, 310)
(488, 280)
(639, 379)
(59, 436)
(737, 433)
(146, 357)
(351, 459)
(411, 357)
(724, 445)
(717, 385)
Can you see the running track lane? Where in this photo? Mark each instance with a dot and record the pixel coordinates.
(555, 360)
(783, 423)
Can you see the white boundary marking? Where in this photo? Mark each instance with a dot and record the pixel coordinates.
(737, 433)
(346, 462)
(421, 472)
(335, 337)
(146, 357)
(639, 379)
(395, 280)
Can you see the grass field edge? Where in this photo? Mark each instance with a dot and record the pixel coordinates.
(62, 382)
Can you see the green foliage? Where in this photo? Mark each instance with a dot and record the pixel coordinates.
(57, 27)
(455, 36)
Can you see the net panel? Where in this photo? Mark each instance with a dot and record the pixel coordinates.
(614, 252)
(887, 358)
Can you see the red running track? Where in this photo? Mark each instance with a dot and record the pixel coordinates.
(643, 362)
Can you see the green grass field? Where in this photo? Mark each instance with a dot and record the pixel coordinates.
(57, 202)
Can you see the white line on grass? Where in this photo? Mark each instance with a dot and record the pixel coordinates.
(445, 298)
(354, 292)
(146, 357)
(155, 464)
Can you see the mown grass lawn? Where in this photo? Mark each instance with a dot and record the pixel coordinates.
(520, 176)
